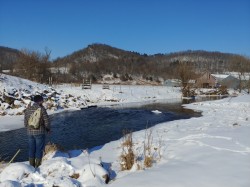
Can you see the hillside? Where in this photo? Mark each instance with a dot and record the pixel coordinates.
(95, 53)
(99, 52)
(8, 56)
(201, 59)
(97, 60)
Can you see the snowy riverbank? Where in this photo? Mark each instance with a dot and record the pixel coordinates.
(209, 151)
(212, 150)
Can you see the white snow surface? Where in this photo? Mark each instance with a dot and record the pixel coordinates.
(208, 151)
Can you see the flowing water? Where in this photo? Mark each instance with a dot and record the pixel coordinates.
(92, 127)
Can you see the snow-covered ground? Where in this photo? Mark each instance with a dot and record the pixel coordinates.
(209, 151)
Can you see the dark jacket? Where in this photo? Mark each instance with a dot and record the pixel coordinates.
(44, 121)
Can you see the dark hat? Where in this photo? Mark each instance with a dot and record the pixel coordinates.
(38, 98)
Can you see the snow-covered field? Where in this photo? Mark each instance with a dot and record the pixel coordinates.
(209, 151)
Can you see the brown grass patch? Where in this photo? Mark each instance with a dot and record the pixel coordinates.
(148, 146)
(127, 156)
(75, 176)
(51, 147)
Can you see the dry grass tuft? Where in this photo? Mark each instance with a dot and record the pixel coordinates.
(148, 148)
(75, 176)
(127, 156)
(51, 147)
(148, 161)
(143, 155)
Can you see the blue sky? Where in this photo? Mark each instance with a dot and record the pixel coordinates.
(144, 26)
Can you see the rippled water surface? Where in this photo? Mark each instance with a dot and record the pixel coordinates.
(94, 126)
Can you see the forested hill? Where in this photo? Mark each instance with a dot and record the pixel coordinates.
(98, 52)
(202, 60)
(97, 60)
(194, 56)
(105, 59)
(8, 57)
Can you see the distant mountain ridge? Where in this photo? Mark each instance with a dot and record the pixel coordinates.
(97, 60)
(96, 52)
(8, 56)
(5, 50)
(101, 52)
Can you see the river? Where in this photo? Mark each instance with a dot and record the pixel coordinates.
(92, 127)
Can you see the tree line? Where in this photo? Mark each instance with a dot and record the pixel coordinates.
(97, 60)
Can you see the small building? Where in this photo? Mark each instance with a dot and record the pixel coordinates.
(244, 79)
(230, 82)
(219, 77)
(206, 81)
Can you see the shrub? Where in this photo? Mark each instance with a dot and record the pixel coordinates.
(124, 78)
(144, 154)
(127, 156)
(148, 157)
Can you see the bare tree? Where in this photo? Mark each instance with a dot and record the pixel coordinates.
(241, 66)
(185, 73)
(33, 65)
